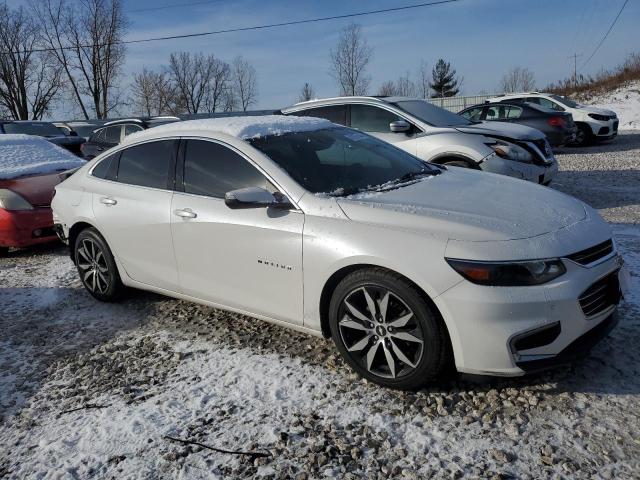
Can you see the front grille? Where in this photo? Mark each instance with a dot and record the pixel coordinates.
(601, 295)
(592, 254)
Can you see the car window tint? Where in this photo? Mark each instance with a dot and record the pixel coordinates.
(147, 165)
(131, 128)
(535, 100)
(473, 114)
(102, 168)
(335, 113)
(112, 134)
(496, 112)
(372, 119)
(212, 169)
(549, 104)
(514, 112)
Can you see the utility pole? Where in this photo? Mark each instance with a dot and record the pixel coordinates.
(575, 68)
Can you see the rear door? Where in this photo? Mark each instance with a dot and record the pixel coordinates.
(132, 210)
(247, 259)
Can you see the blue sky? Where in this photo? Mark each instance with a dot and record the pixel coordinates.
(481, 38)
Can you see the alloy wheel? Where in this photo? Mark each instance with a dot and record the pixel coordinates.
(92, 263)
(380, 332)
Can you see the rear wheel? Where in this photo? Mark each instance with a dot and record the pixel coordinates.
(583, 136)
(96, 266)
(386, 331)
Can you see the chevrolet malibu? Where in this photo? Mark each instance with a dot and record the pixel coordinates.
(409, 267)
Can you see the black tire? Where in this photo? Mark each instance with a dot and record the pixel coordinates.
(457, 163)
(425, 363)
(96, 266)
(584, 136)
(4, 251)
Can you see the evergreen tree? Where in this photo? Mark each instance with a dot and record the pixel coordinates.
(445, 83)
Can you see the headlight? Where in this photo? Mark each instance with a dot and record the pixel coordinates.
(508, 274)
(10, 200)
(601, 118)
(511, 151)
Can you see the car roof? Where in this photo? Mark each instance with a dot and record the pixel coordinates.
(347, 99)
(243, 128)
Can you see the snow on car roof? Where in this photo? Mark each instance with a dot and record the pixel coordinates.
(22, 155)
(245, 128)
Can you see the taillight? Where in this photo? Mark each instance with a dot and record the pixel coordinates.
(557, 122)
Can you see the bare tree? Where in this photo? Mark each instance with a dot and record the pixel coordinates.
(152, 93)
(518, 79)
(200, 81)
(306, 93)
(402, 87)
(86, 40)
(29, 80)
(245, 82)
(424, 73)
(388, 89)
(349, 61)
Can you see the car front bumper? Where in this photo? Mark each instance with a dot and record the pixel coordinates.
(22, 228)
(604, 130)
(490, 321)
(531, 172)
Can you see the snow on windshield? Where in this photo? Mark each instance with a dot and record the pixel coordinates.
(22, 155)
(246, 128)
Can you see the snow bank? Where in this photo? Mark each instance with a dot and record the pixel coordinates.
(22, 155)
(625, 101)
(242, 127)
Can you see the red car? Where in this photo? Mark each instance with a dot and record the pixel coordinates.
(30, 168)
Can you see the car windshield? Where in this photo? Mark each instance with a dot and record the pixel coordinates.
(42, 129)
(567, 102)
(341, 161)
(435, 116)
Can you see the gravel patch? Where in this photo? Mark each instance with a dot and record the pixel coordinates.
(150, 367)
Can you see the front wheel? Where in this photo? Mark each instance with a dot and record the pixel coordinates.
(97, 267)
(386, 331)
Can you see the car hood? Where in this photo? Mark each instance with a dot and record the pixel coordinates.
(599, 111)
(502, 130)
(468, 205)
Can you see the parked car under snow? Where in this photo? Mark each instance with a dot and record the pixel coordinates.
(30, 168)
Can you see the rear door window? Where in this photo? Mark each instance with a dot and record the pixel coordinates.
(130, 128)
(112, 134)
(212, 170)
(148, 165)
(514, 112)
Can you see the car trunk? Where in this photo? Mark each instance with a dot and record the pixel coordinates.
(36, 189)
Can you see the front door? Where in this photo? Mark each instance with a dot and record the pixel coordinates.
(247, 259)
(133, 212)
(375, 121)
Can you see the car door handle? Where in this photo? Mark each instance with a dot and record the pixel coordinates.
(185, 213)
(108, 200)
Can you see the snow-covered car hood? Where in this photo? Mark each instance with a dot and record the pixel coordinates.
(503, 130)
(468, 205)
(599, 111)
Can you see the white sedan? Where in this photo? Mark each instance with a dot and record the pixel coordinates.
(408, 266)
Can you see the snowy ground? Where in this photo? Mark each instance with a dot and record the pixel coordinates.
(154, 367)
(625, 101)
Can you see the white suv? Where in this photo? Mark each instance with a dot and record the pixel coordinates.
(436, 135)
(593, 123)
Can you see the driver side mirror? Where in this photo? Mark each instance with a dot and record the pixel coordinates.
(399, 126)
(256, 197)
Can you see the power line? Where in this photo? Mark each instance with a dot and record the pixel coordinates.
(605, 35)
(243, 29)
(174, 5)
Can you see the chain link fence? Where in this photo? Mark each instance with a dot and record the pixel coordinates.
(455, 104)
